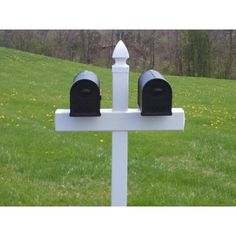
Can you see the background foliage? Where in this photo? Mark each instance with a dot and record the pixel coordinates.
(205, 53)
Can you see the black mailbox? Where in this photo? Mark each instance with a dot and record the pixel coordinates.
(154, 94)
(85, 95)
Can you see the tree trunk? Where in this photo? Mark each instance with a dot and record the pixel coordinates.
(229, 60)
(153, 38)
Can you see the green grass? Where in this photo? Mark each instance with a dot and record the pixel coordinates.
(39, 166)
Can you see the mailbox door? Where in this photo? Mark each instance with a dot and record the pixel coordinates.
(85, 99)
(156, 98)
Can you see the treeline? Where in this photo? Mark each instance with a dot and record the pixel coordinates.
(200, 53)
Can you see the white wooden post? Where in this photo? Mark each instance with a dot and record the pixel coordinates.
(120, 94)
(119, 120)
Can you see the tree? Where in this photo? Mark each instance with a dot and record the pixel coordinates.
(229, 59)
(178, 54)
(197, 53)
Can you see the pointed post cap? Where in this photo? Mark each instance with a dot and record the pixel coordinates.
(120, 51)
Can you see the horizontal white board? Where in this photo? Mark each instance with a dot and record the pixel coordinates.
(119, 121)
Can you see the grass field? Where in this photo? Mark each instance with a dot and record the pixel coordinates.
(39, 166)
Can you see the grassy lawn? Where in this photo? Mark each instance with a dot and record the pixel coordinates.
(39, 166)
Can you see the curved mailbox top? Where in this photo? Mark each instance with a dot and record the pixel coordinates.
(150, 74)
(87, 75)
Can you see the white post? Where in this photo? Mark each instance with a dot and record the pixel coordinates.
(120, 93)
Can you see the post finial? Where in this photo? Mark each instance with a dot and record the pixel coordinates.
(120, 52)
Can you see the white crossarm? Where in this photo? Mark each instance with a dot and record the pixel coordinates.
(119, 121)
